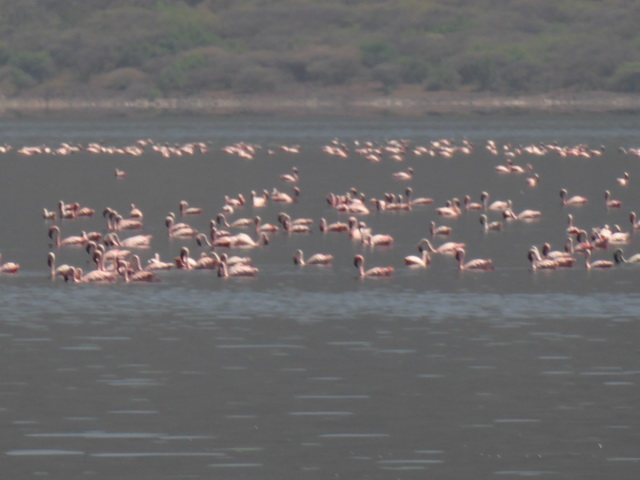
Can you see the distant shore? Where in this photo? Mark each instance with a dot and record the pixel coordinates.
(336, 103)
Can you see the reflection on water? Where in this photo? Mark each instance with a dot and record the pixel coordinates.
(313, 373)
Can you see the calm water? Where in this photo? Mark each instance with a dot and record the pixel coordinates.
(313, 373)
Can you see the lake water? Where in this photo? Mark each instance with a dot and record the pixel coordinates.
(313, 373)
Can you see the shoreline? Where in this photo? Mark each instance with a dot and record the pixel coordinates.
(338, 103)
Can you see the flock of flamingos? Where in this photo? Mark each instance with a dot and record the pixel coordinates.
(118, 250)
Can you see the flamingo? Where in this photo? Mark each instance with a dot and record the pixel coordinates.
(94, 276)
(475, 264)
(264, 227)
(137, 241)
(526, 215)
(597, 263)
(416, 201)
(635, 225)
(321, 259)
(290, 177)
(133, 271)
(562, 258)
(282, 197)
(611, 202)
(135, 212)
(439, 230)
(282, 216)
(207, 261)
(571, 229)
(74, 240)
(487, 225)
(451, 209)
(357, 230)
(497, 205)
(239, 240)
(416, 261)
(295, 228)
(359, 263)
(179, 230)
(184, 260)
(127, 223)
(618, 237)
(185, 209)
(62, 270)
(377, 240)
(48, 214)
(538, 263)
(154, 263)
(470, 205)
(576, 200)
(447, 248)
(624, 180)
(234, 259)
(8, 267)
(618, 257)
(259, 201)
(407, 175)
(534, 180)
(244, 222)
(332, 227)
(238, 270)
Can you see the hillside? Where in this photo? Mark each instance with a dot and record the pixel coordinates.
(155, 49)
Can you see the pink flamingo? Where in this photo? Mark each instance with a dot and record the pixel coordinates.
(534, 180)
(575, 200)
(378, 240)
(290, 177)
(487, 225)
(154, 263)
(439, 230)
(470, 205)
(137, 241)
(597, 263)
(282, 197)
(451, 209)
(422, 261)
(62, 270)
(264, 227)
(237, 223)
(135, 212)
(359, 263)
(332, 227)
(74, 240)
(610, 202)
(94, 276)
(526, 215)
(238, 270)
(416, 201)
(321, 259)
(8, 267)
(185, 209)
(497, 205)
(259, 201)
(624, 180)
(475, 264)
(407, 175)
(538, 263)
(447, 248)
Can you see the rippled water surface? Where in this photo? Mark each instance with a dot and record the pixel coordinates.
(311, 372)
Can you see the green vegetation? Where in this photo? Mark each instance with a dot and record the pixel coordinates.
(151, 48)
